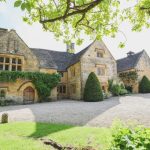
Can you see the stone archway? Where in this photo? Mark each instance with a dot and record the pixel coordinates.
(28, 95)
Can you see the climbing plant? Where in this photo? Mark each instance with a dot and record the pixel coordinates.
(129, 77)
(43, 82)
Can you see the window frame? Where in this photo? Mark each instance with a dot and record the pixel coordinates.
(99, 53)
(101, 71)
(62, 89)
(11, 63)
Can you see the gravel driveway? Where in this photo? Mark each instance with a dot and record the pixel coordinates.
(128, 108)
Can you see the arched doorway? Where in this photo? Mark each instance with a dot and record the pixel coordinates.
(28, 95)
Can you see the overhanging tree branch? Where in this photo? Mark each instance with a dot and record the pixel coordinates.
(81, 10)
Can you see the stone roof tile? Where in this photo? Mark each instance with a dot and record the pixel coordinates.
(128, 62)
(56, 59)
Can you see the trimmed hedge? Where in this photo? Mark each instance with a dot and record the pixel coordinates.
(93, 91)
(144, 86)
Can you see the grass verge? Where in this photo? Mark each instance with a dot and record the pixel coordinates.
(26, 136)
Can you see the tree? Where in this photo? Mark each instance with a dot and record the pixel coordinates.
(69, 19)
(144, 86)
(93, 90)
(139, 15)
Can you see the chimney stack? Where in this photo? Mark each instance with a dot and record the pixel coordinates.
(71, 48)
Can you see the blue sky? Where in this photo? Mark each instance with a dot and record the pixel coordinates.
(34, 36)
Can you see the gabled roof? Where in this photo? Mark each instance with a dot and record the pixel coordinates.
(57, 59)
(76, 57)
(128, 62)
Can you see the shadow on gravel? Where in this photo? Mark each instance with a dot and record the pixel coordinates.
(62, 112)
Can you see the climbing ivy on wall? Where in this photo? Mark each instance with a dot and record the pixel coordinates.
(43, 82)
(130, 76)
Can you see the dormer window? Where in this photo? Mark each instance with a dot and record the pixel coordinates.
(10, 64)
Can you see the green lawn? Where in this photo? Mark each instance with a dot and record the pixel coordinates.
(25, 136)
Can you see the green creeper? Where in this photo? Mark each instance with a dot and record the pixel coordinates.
(43, 82)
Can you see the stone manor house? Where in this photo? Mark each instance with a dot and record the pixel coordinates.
(15, 55)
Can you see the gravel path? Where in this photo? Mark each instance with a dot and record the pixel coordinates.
(128, 108)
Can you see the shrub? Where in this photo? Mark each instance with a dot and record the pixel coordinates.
(107, 95)
(123, 92)
(116, 88)
(4, 118)
(110, 84)
(129, 88)
(122, 86)
(130, 138)
(93, 90)
(6, 102)
(144, 86)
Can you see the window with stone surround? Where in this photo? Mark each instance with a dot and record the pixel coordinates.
(62, 89)
(10, 64)
(101, 71)
(100, 52)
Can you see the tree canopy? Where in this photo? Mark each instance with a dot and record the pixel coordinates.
(69, 19)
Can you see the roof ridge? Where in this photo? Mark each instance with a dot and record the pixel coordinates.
(132, 55)
(48, 50)
(129, 62)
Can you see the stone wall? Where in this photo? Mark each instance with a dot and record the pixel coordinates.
(14, 90)
(74, 81)
(143, 66)
(143, 69)
(90, 62)
(12, 46)
(63, 82)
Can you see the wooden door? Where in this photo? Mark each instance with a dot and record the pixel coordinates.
(28, 95)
